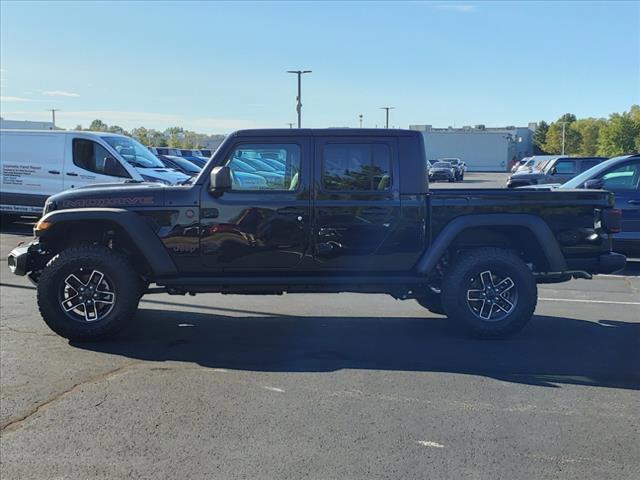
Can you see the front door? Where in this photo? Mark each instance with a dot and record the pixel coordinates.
(356, 203)
(88, 165)
(263, 223)
(564, 171)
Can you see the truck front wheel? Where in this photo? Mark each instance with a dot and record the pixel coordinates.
(491, 292)
(88, 292)
(432, 301)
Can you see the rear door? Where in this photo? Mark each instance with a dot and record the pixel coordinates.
(624, 181)
(263, 224)
(30, 170)
(85, 164)
(356, 203)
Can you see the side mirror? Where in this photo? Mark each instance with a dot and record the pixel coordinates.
(553, 171)
(594, 184)
(220, 180)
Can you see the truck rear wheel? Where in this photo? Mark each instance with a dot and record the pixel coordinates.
(88, 292)
(491, 292)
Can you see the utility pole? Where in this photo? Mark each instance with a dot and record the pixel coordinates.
(564, 124)
(360, 116)
(299, 73)
(386, 109)
(53, 115)
(290, 125)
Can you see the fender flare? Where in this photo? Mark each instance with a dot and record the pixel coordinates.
(143, 237)
(538, 228)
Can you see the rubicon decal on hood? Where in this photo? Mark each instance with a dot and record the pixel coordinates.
(108, 202)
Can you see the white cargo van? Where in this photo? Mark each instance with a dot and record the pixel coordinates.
(36, 164)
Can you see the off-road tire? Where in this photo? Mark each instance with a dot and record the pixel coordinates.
(432, 301)
(126, 287)
(470, 265)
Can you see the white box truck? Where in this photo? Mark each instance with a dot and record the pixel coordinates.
(35, 164)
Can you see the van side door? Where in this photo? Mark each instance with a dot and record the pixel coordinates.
(87, 163)
(356, 203)
(30, 170)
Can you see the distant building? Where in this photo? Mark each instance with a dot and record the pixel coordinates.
(488, 149)
(25, 125)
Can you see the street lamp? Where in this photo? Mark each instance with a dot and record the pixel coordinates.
(299, 73)
(53, 115)
(564, 124)
(386, 109)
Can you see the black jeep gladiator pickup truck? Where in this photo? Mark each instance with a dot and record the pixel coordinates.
(298, 211)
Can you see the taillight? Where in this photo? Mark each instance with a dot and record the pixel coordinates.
(612, 220)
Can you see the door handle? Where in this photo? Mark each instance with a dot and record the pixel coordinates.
(71, 174)
(634, 202)
(54, 172)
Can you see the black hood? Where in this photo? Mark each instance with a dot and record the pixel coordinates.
(111, 195)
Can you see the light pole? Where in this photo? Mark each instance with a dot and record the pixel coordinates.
(564, 124)
(53, 115)
(299, 73)
(386, 109)
(360, 117)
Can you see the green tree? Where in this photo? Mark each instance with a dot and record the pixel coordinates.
(142, 135)
(540, 135)
(572, 137)
(589, 130)
(117, 129)
(620, 135)
(98, 126)
(78, 128)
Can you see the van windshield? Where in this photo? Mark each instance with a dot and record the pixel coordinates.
(133, 152)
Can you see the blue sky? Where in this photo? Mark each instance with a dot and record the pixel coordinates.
(214, 67)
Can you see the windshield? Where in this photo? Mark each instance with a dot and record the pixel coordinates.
(133, 152)
(442, 165)
(593, 172)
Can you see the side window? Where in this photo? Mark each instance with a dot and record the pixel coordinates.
(624, 177)
(92, 156)
(564, 167)
(587, 164)
(273, 167)
(356, 166)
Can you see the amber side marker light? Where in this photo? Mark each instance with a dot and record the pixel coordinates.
(41, 226)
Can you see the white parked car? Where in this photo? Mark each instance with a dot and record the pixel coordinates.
(35, 164)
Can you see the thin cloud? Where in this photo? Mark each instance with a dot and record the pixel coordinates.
(59, 93)
(15, 99)
(129, 120)
(456, 7)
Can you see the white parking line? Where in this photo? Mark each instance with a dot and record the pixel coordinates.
(274, 389)
(586, 301)
(426, 443)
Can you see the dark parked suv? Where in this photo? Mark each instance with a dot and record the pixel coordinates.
(555, 171)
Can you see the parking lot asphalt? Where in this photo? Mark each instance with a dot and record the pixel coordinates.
(323, 386)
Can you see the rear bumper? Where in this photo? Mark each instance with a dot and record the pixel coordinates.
(610, 262)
